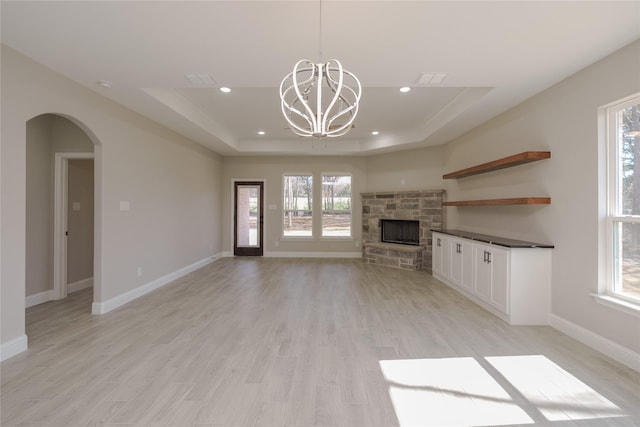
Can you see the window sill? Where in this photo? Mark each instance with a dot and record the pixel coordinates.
(618, 304)
(296, 238)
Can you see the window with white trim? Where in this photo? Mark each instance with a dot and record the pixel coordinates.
(297, 206)
(623, 197)
(336, 205)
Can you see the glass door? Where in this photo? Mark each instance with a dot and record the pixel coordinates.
(248, 218)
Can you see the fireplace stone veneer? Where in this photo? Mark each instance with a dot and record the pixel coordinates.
(421, 205)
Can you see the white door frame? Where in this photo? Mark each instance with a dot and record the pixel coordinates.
(61, 179)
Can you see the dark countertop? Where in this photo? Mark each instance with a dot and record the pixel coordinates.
(500, 241)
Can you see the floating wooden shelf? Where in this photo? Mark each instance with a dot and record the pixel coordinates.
(515, 160)
(502, 202)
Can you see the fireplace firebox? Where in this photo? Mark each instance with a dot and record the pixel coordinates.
(406, 232)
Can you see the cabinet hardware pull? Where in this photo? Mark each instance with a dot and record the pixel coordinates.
(488, 257)
(439, 242)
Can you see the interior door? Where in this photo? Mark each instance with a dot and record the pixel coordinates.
(248, 218)
(80, 222)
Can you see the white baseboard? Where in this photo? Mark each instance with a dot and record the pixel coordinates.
(36, 299)
(273, 254)
(276, 254)
(115, 302)
(613, 350)
(13, 347)
(47, 296)
(80, 285)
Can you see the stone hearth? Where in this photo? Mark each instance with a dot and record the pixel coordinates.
(421, 205)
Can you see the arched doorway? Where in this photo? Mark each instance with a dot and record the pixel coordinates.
(62, 209)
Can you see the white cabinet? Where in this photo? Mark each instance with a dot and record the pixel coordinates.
(482, 273)
(453, 259)
(513, 283)
(441, 258)
(461, 263)
(491, 269)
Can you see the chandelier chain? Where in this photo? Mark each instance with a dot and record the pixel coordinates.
(320, 32)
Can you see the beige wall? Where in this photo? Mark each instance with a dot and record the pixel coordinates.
(80, 220)
(406, 170)
(172, 184)
(67, 137)
(563, 120)
(39, 211)
(271, 170)
(419, 169)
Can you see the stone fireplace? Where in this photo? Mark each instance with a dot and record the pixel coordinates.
(423, 206)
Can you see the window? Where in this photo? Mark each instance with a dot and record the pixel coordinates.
(623, 216)
(336, 205)
(297, 205)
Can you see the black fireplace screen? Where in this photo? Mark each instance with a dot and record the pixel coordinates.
(402, 231)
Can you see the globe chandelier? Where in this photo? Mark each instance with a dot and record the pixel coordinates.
(320, 99)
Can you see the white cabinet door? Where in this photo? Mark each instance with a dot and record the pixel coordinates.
(499, 260)
(441, 255)
(462, 263)
(482, 285)
(492, 275)
(436, 250)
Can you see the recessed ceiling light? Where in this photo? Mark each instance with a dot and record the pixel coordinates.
(225, 89)
(405, 89)
(375, 132)
(261, 132)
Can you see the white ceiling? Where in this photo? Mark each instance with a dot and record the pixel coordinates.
(496, 54)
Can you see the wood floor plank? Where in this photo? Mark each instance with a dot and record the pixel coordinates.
(298, 342)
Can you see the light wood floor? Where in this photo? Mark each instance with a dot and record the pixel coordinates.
(273, 342)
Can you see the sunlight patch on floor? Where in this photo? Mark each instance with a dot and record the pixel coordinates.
(448, 392)
(556, 393)
(459, 391)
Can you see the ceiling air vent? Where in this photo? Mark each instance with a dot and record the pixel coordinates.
(201, 79)
(431, 78)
